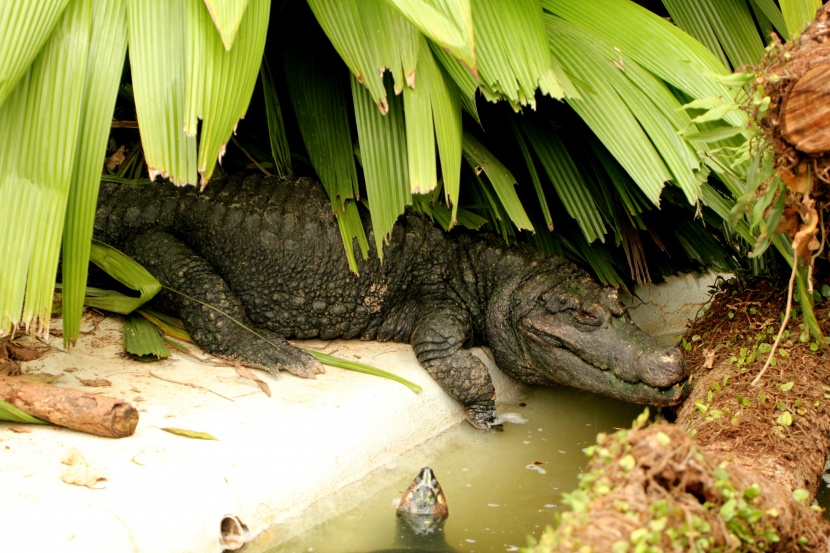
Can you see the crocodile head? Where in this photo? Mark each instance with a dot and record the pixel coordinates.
(546, 331)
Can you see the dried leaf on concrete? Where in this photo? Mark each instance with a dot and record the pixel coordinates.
(81, 473)
(245, 373)
(95, 382)
(189, 433)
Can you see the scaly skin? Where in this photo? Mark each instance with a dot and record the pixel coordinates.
(268, 253)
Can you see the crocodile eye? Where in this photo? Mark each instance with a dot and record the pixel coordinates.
(587, 319)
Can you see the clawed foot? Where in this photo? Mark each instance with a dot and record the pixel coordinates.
(304, 365)
(273, 353)
(483, 417)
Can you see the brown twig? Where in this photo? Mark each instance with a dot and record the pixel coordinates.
(255, 162)
(786, 320)
(190, 384)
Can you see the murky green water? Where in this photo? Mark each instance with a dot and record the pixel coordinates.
(499, 486)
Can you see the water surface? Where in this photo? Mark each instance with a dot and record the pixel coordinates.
(499, 486)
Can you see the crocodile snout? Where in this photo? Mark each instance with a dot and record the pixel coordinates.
(663, 368)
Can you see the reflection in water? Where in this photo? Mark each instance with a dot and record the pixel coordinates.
(500, 487)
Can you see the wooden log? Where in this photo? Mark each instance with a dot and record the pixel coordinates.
(806, 111)
(95, 414)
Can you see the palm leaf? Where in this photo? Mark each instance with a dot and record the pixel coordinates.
(567, 180)
(602, 108)
(126, 271)
(383, 152)
(502, 180)
(9, 412)
(797, 13)
(724, 26)
(534, 175)
(43, 115)
(321, 108)
(465, 82)
(773, 13)
(447, 23)
(371, 36)
(158, 39)
(651, 41)
(227, 17)
(276, 125)
(433, 99)
(513, 55)
(226, 76)
(25, 27)
(104, 66)
(142, 339)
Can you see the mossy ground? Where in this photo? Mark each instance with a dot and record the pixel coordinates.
(738, 469)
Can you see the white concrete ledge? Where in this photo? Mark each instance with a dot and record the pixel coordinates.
(665, 309)
(273, 458)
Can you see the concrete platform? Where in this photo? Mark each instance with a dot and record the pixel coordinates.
(273, 458)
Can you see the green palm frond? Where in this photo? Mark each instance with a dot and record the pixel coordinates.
(25, 27)
(106, 59)
(797, 13)
(513, 55)
(726, 28)
(383, 152)
(43, 114)
(449, 24)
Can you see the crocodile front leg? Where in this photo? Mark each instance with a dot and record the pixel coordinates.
(211, 312)
(438, 340)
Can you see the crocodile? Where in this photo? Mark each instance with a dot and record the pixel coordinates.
(266, 253)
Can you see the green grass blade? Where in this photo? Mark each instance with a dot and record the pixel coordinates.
(104, 66)
(361, 368)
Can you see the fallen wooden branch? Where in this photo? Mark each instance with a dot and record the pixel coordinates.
(95, 414)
